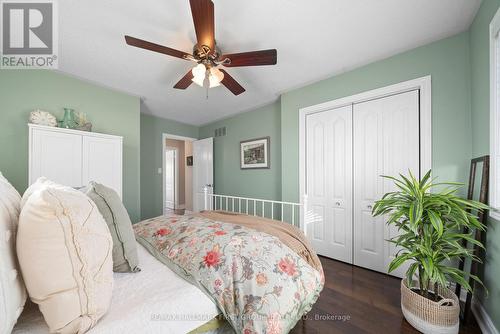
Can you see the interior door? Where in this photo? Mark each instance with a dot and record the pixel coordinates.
(386, 142)
(203, 171)
(329, 182)
(57, 156)
(170, 162)
(102, 162)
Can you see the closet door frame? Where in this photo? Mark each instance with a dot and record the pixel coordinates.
(423, 84)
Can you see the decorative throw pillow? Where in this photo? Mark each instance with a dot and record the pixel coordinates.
(124, 245)
(64, 250)
(10, 197)
(41, 182)
(12, 290)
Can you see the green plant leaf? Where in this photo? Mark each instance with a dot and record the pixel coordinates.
(428, 225)
(436, 222)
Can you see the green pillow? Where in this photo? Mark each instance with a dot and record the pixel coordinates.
(116, 216)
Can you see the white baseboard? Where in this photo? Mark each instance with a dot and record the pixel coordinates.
(483, 319)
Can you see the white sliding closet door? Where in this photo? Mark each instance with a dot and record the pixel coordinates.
(329, 182)
(386, 142)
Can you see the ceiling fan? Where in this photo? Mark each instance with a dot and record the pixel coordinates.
(206, 53)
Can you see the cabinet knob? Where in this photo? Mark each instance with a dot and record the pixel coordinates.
(337, 203)
(369, 207)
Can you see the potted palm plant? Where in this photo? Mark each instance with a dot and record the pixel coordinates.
(429, 225)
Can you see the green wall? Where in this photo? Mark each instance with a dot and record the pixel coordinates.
(448, 63)
(228, 177)
(22, 91)
(480, 74)
(480, 66)
(152, 129)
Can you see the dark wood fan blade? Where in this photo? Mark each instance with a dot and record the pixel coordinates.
(231, 84)
(253, 58)
(185, 81)
(204, 22)
(155, 47)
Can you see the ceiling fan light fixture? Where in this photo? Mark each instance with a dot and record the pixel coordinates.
(198, 81)
(215, 78)
(206, 53)
(199, 72)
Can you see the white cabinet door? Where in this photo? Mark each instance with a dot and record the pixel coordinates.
(203, 171)
(329, 182)
(386, 142)
(57, 156)
(102, 162)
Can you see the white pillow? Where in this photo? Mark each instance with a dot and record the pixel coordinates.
(12, 290)
(64, 249)
(41, 182)
(10, 197)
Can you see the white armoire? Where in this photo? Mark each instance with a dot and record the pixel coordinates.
(74, 158)
(347, 149)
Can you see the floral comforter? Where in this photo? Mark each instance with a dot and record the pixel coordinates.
(258, 283)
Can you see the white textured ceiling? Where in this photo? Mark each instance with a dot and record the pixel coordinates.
(315, 39)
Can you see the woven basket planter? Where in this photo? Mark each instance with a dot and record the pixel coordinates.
(428, 316)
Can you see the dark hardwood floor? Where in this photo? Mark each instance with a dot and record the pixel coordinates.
(357, 300)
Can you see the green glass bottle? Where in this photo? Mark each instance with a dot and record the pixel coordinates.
(68, 121)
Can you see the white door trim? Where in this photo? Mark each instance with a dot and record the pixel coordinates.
(169, 136)
(494, 118)
(424, 84)
(164, 138)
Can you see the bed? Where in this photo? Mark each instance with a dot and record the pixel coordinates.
(262, 279)
(139, 304)
(262, 274)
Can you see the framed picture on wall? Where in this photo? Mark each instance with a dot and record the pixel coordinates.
(254, 153)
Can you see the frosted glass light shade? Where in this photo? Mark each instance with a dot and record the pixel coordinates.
(216, 76)
(199, 72)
